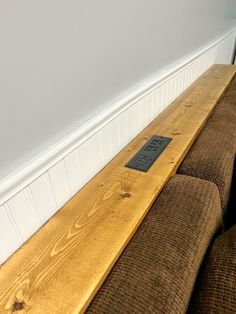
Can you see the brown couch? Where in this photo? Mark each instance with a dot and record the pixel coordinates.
(215, 290)
(158, 271)
(212, 155)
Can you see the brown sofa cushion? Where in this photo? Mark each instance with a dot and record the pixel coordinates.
(215, 291)
(223, 120)
(230, 93)
(211, 157)
(157, 270)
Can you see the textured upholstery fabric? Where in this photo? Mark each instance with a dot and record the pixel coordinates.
(224, 117)
(215, 291)
(158, 268)
(230, 93)
(212, 155)
(230, 218)
(223, 120)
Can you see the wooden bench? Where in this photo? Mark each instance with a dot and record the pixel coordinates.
(62, 266)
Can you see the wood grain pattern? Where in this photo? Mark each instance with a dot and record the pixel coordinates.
(61, 267)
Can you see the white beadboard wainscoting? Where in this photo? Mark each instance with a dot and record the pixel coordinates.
(33, 194)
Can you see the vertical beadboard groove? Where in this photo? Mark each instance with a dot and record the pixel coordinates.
(23, 213)
(50, 182)
(40, 198)
(9, 238)
(43, 198)
(28, 189)
(67, 177)
(13, 224)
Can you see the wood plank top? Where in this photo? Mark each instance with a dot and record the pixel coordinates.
(62, 266)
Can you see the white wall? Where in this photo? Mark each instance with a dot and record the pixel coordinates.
(61, 62)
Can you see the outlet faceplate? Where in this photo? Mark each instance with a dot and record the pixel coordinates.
(149, 153)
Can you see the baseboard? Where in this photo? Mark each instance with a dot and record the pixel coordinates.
(29, 197)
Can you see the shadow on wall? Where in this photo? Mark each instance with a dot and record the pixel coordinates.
(230, 9)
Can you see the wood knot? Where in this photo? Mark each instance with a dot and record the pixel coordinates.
(125, 195)
(17, 306)
(188, 106)
(176, 133)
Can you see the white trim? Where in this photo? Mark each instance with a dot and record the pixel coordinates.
(152, 96)
(16, 181)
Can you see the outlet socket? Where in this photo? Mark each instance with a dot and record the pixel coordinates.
(149, 153)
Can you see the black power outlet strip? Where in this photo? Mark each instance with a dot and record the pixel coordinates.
(149, 153)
